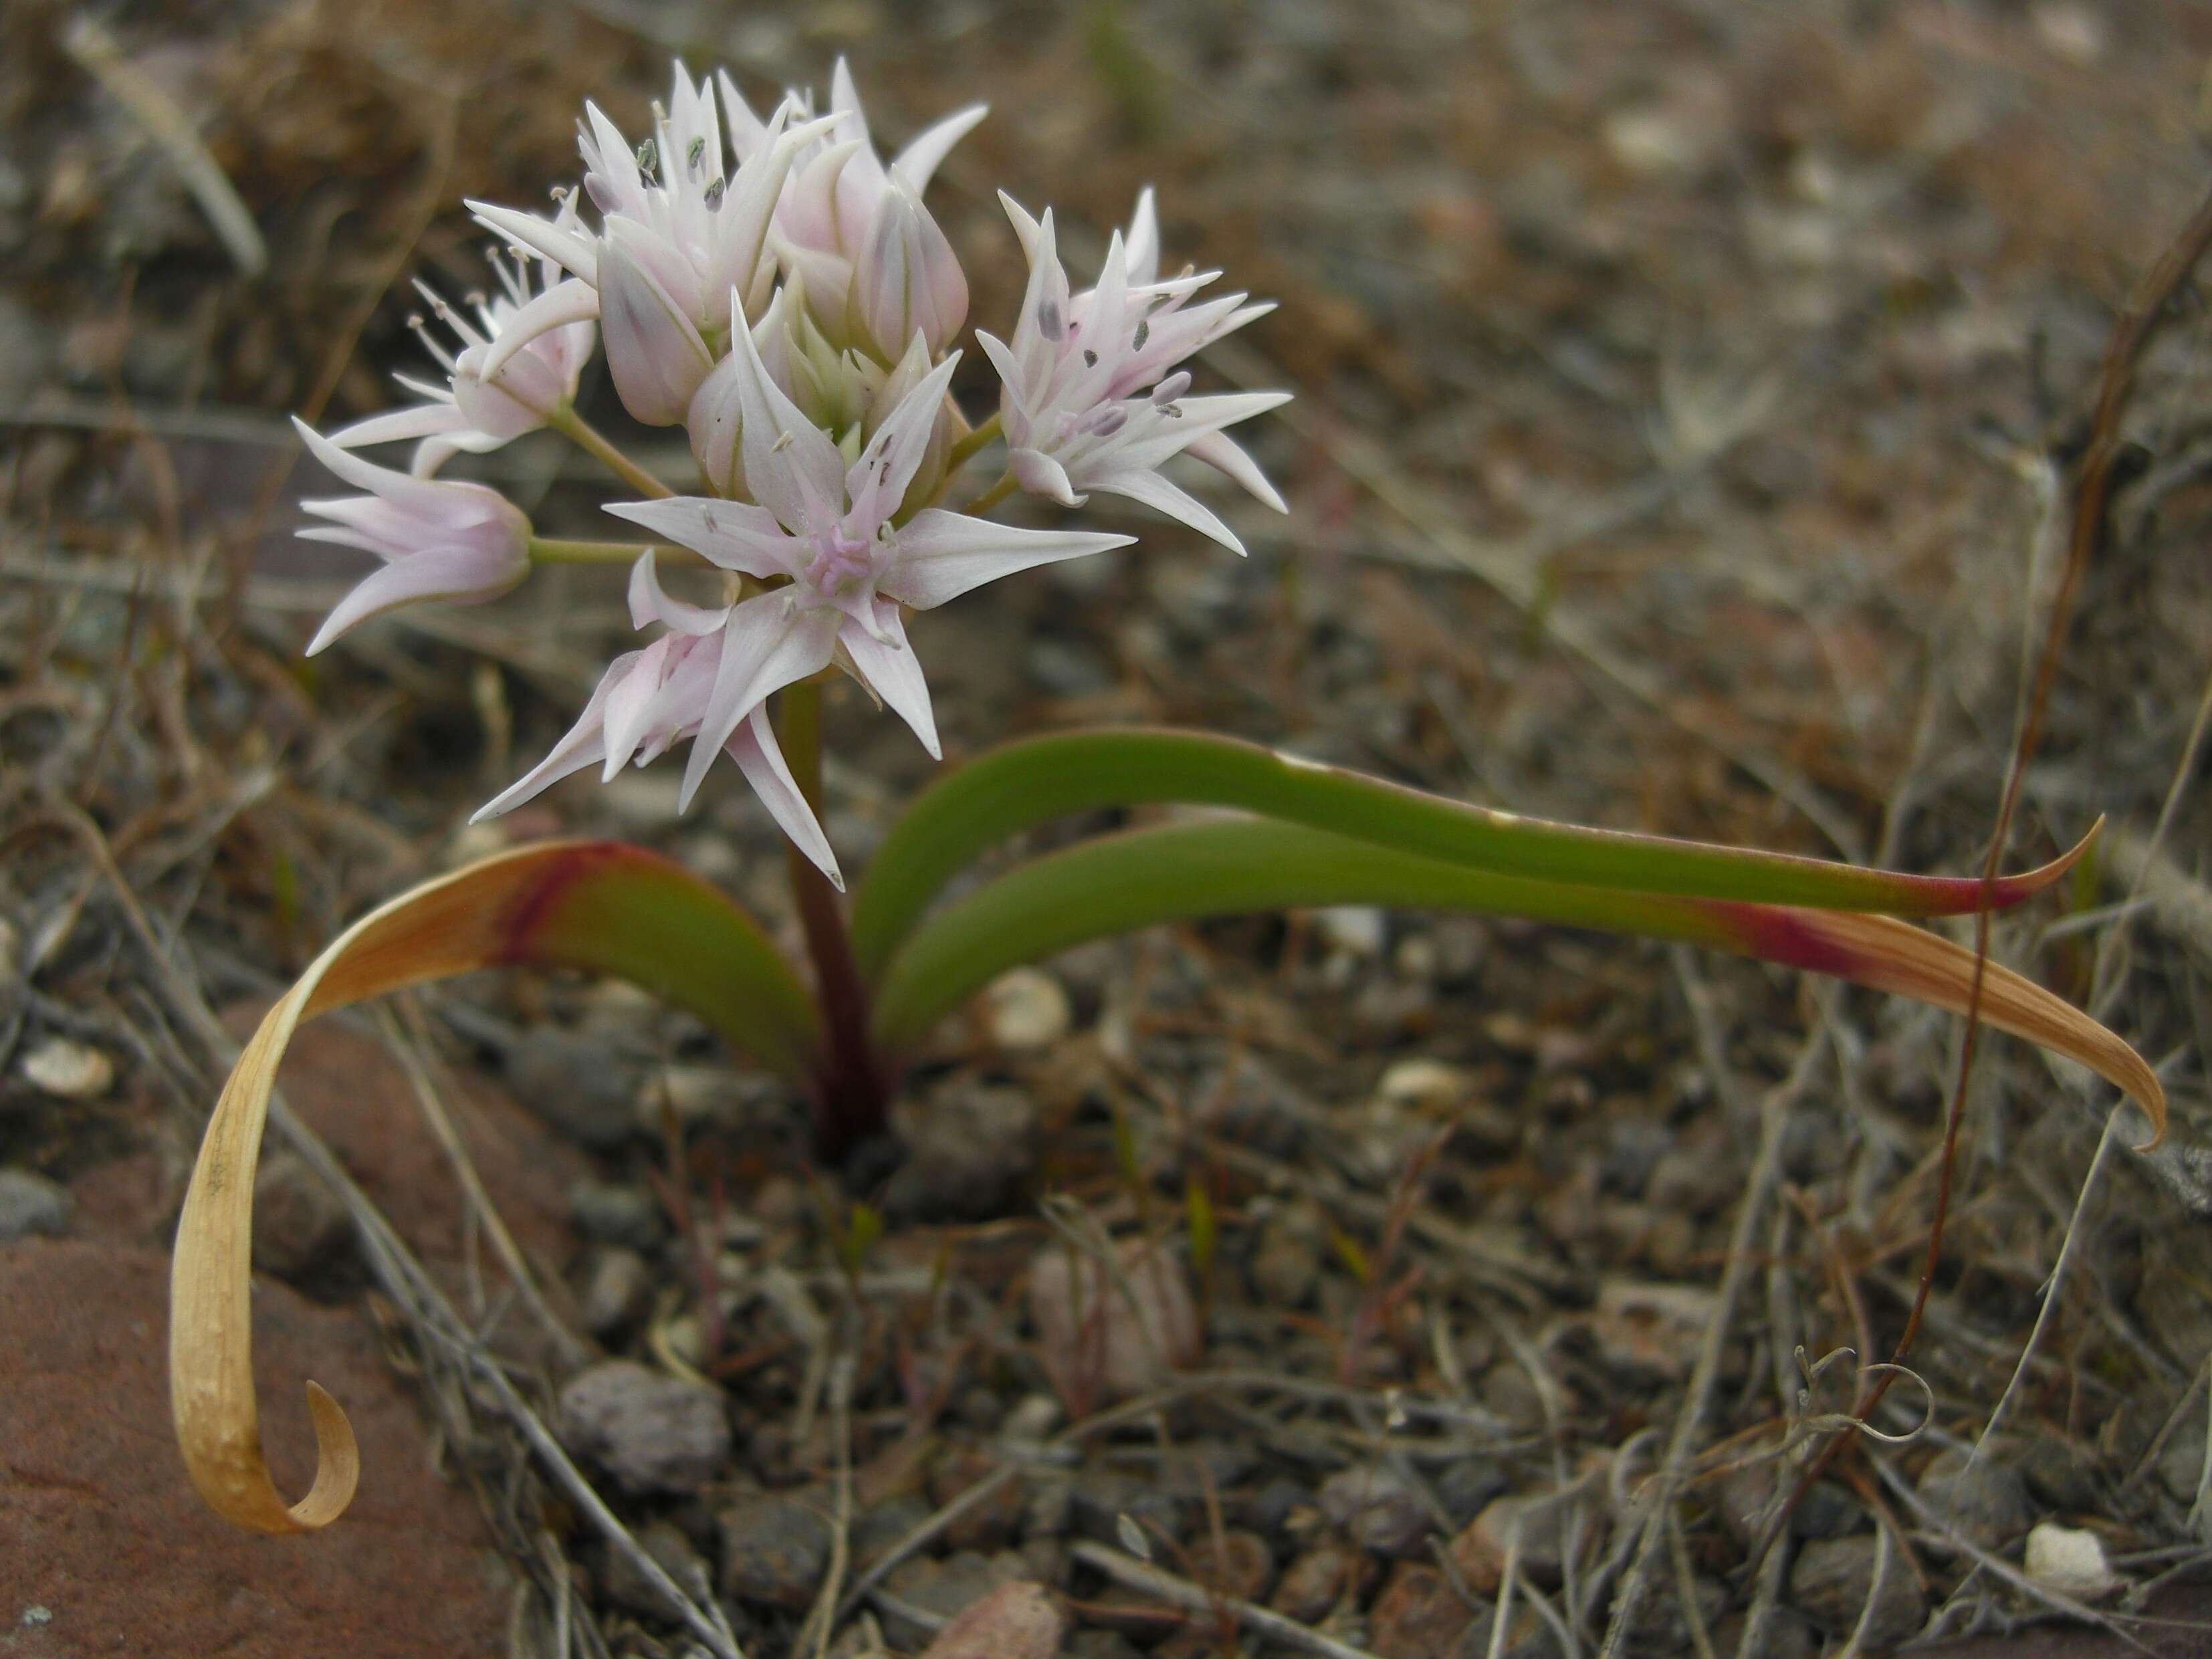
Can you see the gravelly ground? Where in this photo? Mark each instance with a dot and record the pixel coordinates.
(1685, 394)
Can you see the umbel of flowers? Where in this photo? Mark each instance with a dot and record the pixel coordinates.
(782, 290)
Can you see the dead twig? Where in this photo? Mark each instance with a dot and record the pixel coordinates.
(1131, 1573)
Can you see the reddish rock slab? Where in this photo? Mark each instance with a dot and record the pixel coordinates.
(105, 1549)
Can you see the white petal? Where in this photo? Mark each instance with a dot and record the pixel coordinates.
(416, 421)
(1223, 452)
(1177, 502)
(1143, 240)
(792, 467)
(650, 603)
(735, 535)
(941, 554)
(768, 643)
(918, 159)
(893, 455)
(424, 497)
(571, 301)
(581, 748)
(566, 247)
(459, 574)
(1039, 475)
(888, 667)
(754, 747)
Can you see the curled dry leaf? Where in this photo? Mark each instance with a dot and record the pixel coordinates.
(593, 905)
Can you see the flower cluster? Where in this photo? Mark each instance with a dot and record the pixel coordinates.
(780, 290)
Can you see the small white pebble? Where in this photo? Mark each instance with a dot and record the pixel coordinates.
(1424, 1084)
(1026, 1008)
(1356, 930)
(2070, 1561)
(70, 1070)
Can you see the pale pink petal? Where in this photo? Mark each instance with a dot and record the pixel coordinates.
(649, 603)
(920, 159)
(416, 421)
(793, 468)
(886, 665)
(754, 747)
(466, 575)
(735, 535)
(1154, 491)
(940, 555)
(560, 305)
(566, 246)
(769, 642)
(888, 465)
(1223, 452)
(583, 745)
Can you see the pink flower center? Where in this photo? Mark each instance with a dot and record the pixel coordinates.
(838, 563)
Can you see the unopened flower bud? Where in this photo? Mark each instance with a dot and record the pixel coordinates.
(653, 350)
(908, 280)
(439, 540)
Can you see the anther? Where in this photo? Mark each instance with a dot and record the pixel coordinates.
(1049, 321)
(1171, 388)
(1144, 332)
(1089, 358)
(648, 156)
(695, 154)
(715, 193)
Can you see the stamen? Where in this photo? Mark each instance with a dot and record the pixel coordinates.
(1171, 388)
(1107, 420)
(694, 155)
(782, 442)
(1144, 332)
(1049, 322)
(648, 156)
(715, 193)
(1089, 358)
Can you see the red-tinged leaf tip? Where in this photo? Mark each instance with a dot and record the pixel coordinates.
(2005, 892)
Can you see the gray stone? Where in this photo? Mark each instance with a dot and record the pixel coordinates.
(1287, 1265)
(32, 1203)
(1377, 1509)
(944, 1588)
(610, 1213)
(626, 1583)
(1465, 1487)
(1833, 1578)
(651, 1432)
(968, 1151)
(617, 1288)
(775, 1548)
(1985, 1499)
(579, 1085)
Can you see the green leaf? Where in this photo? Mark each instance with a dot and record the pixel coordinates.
(1183, 871)
(1021, 784)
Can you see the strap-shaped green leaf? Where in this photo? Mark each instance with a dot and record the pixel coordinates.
(1022, 784)
(1183, 871)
